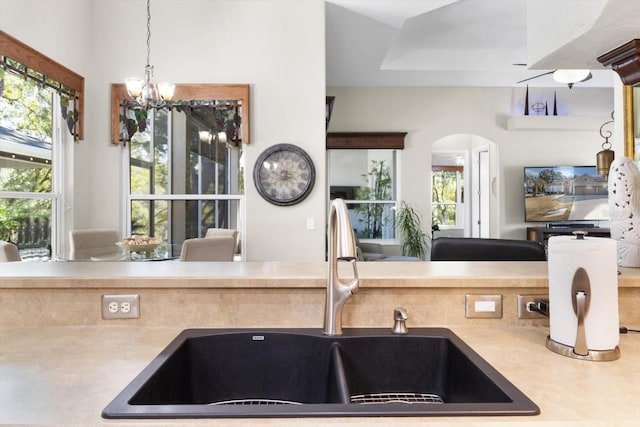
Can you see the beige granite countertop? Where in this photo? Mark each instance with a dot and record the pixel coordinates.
(61, 363)
(67, 375)
(171, 274)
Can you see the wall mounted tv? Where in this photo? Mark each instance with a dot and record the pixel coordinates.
(558, 194)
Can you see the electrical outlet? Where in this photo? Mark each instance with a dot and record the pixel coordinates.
(523, 310)
(121, 306)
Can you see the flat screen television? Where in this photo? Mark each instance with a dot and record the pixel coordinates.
(565, 194)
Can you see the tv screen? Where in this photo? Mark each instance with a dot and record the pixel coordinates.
(564, 194)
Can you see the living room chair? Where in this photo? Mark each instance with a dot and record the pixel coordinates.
(208, 249)
(9, 252)
(368, 251)
(94, 244)
(479, 249)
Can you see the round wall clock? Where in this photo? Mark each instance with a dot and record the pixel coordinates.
(284, 174)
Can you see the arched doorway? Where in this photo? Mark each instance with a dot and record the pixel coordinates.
(464, 182)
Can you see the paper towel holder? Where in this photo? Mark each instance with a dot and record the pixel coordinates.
(592, 355)
(581, 298)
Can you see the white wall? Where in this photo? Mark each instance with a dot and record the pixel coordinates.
(277, 46)
(431, 113)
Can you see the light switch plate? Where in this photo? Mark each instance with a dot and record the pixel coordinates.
(483, 306)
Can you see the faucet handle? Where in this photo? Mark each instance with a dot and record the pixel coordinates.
(400, 316)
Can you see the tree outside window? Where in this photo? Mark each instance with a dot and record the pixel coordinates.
(447, 195)
(26, 148)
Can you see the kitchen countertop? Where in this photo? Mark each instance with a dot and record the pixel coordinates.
(67, 375)
(169, 274)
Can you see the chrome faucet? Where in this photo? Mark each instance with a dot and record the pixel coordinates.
(342, 247)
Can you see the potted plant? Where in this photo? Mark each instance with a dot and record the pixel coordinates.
(415, 241)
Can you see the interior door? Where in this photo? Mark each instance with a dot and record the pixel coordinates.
(480, 220)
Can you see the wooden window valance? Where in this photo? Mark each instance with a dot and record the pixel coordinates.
(365, 140)
(53, 74)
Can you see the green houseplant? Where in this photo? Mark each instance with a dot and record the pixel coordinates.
(415, 241)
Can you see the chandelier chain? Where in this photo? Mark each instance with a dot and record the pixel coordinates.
(148, 32)
(145, 92)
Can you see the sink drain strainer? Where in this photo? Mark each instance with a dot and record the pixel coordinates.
(255, 402)
(383, 398)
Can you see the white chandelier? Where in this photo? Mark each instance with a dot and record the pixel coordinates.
(146, 92)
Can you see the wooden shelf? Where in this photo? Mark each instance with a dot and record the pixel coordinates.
(542, 234)
(555, 123)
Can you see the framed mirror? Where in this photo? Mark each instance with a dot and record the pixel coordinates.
(631, 96)
(188, 92)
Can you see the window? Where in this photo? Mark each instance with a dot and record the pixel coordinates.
(447, 196)
(184, 173)
(40, 100)
(30, 166)
(366, 180)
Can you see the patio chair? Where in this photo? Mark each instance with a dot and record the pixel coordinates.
(9, 252)
(208, 249)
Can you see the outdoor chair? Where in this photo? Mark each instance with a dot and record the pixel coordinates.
(9, 252)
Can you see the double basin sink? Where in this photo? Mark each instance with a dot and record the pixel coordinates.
(210, 373)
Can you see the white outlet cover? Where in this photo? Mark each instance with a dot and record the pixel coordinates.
(121, 306)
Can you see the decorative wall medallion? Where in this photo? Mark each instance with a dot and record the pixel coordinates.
(284, 174)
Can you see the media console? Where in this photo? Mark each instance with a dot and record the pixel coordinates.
(542, 234)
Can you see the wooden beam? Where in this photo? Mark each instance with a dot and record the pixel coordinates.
(365, 140)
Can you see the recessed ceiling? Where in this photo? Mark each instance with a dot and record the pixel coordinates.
(472, 42)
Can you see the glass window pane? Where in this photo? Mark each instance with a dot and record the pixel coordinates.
(140, 179)
(27, 223)
(160, 153)
(26, 108)
(25, 136)
(444, 214)
(189, 154)
(373, 220)
(367, 176)
(362, 174)
(176, 220)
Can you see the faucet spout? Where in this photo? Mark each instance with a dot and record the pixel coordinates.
(342, 247)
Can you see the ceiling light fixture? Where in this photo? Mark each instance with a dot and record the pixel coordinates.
(566, 76)
(569, 77)
(146, 92)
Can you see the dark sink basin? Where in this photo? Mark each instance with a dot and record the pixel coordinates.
(301, 372)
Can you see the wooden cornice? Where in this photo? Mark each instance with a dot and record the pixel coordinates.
(365, 140)
(624, 60)
(28, 56)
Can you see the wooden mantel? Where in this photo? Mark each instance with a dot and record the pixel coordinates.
(365, 140)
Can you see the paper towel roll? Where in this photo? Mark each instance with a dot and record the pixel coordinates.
(598, 257)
